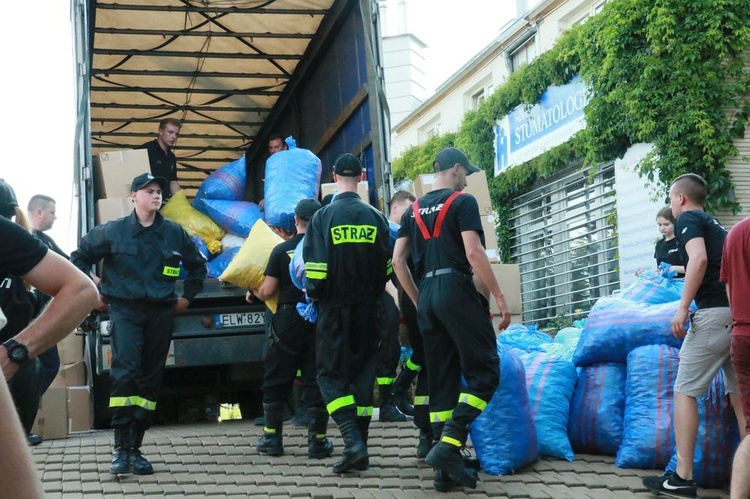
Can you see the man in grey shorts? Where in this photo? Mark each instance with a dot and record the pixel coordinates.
(706, 345)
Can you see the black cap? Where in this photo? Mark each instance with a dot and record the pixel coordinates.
(8, 200)
(144, 179)
(306, 208)
(348, 166)
(449, 157)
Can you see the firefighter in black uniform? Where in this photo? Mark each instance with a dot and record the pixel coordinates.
(142, 254)
(292, 348)
(442, 231)
(347, 263)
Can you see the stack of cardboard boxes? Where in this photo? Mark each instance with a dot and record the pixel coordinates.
(65, 407)
(113, 173)
(507, 275)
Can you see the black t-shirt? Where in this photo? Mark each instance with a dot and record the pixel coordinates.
(20, 251)
(278, 267)
(462, 215)
(50, 243)
(19, 305)
(667, 251)
(697, 223)
(163, 164)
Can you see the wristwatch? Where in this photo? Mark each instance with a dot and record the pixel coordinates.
(17, 352)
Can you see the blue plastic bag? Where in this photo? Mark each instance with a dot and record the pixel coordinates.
(504, 435)
(236, 217)
(568, 334)
(218, 265)
(717, 438)
(616, 326)
(297, 266)
(648, 431)
(527, 338)
(291, 176)
(596, 410)
(202, 248)
(653, 288)
(226, 183)
(550, 382)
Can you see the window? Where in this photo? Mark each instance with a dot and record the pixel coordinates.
(523, 54)
(431, 129)
(477, 99)
(565, 245)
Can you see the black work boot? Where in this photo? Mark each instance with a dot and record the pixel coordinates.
(121, 452)
(139, 465)
(271, 442)
(318, 446)
(355, 450)
(400, 390)
(444, 483)
(388, 411)
(446, 455)
(426, 441)
(363, 423)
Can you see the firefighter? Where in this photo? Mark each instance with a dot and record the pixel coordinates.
(142, 254)
(292, 348)
(442, 231)
(347, 264)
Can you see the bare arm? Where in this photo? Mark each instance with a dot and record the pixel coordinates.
(174, 187)
(405, 279)
(266, 290)
(481, 265)
(17, 471)
(694, 272)
(74, 296)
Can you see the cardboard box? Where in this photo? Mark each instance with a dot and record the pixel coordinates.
(490, 237)
(114, 171)
(71, 375)
(112, 209)
(326, 189)
(476, 185)
(52, 419)
(71, 349)
(79, 409)
(509, 278)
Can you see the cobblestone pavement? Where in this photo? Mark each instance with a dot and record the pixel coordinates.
(202, 460)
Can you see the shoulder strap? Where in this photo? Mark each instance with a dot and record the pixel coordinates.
(441, 216)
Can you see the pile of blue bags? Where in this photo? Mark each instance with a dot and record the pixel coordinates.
(604, 386)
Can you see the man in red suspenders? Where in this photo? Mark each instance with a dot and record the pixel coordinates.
(442, 231)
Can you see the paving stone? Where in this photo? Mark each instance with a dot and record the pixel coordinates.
(219, 460)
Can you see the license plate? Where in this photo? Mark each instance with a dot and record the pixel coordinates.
(240, 319)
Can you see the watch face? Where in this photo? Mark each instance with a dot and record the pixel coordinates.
(18, 353)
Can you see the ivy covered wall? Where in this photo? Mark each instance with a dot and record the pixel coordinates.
(666, 72)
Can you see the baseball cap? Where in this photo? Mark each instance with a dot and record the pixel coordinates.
(8, 200)
(449, 157)
(306, 208)
(348, 166)
(144, 179)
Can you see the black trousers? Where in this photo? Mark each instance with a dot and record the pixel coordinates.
(50, 365)
(389, 350)
(458, 339)
(140, 344)
(421, 391)
(292, 348)
(347, 339)
(24, 389)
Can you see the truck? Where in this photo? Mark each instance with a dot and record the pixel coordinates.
(234, 73)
